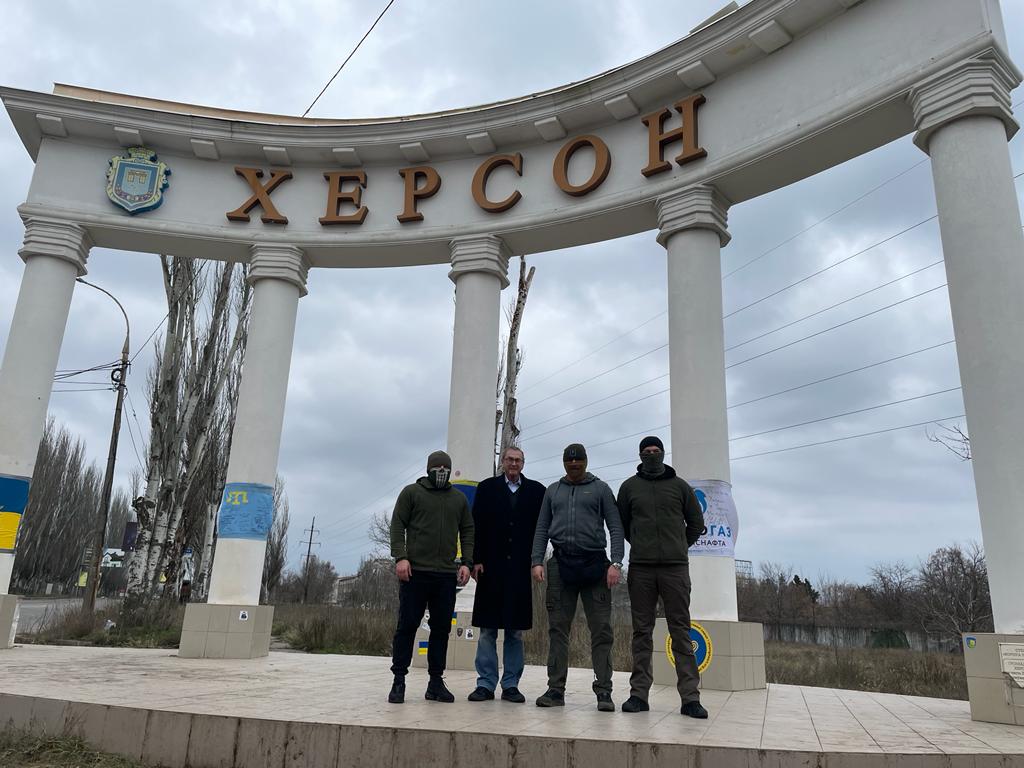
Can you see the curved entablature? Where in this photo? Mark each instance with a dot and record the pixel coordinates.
(771, 93)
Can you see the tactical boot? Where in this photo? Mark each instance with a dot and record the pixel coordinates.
(397, 695)
(552, 698)
(605, 703)
(694, 709)
(635, 704)
(436, 691)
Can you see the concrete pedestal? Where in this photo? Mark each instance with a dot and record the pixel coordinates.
(226, 631)
(8, 620)
(995, 696)
(736, 651)
(461, 644)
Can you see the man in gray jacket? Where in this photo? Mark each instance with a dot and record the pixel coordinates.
(573, 517)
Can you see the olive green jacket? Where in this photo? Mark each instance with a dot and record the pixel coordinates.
(661, 517)
(427, 525)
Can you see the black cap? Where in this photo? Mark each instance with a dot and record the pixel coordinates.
(650, 440)
(574, 451)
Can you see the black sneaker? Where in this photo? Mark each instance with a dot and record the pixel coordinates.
(552, 698)
(481, 694)
(437, 691)
(635, 704)
(605, 703)
(513, 695)
(397, 695)
(694, 709)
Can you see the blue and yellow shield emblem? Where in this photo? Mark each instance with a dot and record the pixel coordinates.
(136, 182)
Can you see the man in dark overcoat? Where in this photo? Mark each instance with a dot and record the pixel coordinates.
(504, 516)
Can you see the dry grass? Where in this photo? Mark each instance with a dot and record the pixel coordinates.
(23, 750)
(156, 624)
(886, 670)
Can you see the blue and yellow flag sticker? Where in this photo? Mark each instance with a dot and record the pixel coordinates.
(13, 500)
(422, 647)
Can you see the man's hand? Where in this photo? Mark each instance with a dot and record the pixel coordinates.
(614, 575)
(477, 570)
(463, 577)
(403, 570)
(538, 573)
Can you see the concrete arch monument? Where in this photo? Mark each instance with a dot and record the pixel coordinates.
(768, 94)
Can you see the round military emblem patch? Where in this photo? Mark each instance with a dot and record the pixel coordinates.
(702, 648)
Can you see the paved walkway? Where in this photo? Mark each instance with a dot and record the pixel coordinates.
(352, 690)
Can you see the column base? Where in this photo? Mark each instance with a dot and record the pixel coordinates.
(733, 651)
(461, 644)
(994, 696)
(225, 631)
(8, 620)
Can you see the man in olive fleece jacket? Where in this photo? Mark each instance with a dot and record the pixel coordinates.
(429, 520)
(661, 518)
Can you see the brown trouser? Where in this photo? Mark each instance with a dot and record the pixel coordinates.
(672, 583)
(561, 600)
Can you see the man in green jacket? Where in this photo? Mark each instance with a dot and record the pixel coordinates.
(661, 518)
(430, 519)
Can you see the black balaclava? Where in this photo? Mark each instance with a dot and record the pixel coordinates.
(439, 468)
(652, 464)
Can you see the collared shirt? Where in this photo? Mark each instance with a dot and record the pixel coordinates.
(513, 487)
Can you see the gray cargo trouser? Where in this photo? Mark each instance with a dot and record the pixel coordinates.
(672, 583)
(561, 600)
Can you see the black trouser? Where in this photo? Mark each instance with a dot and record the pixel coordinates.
(672, 583)
(424, 589)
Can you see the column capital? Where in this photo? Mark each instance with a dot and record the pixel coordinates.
(698, 207)
(59, 239)
(979, 85)
(480, 253)
(279, 262)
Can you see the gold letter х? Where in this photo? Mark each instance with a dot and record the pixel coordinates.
(260, 195)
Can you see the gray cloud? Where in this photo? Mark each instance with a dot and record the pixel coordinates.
(368, 395)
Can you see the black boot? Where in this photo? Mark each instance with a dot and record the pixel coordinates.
(436, 691)
(397, 695)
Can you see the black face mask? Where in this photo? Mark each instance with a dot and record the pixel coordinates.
(439, 476)
(653, 463)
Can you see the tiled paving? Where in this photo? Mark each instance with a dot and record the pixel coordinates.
(352, 690)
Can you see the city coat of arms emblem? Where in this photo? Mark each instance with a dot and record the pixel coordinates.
(136, 181)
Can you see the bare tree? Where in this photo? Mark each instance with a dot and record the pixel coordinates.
(193, 390)
(892, 592)
(380, 533)
(953, 439)
(277, 543)
(511, 365)
(952, 592)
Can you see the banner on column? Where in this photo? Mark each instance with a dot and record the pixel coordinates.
(13, 500)
(246, 511)
(715, 497)
(468, 488)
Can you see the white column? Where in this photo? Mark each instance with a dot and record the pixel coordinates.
(278, 277)
(55, 253)
(964, 120)
(692, 226)
(480, 272)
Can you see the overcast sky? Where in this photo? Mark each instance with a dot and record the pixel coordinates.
(368, 394)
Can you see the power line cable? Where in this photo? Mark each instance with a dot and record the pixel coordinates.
(840, 375)
(353, 53)
(594, 351)
(823, 220)
(832, 306)
(128, 423)
(834, 327)
(594, 402)
(191, 282)
(846, 413)
(830, 266)
(848, 437)
(593, 378)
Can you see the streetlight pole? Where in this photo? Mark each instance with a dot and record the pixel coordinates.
(118, 376)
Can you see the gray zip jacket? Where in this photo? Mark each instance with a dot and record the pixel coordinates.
(575, 516)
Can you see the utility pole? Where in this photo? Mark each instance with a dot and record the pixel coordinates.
(118, 376)
(309, 554)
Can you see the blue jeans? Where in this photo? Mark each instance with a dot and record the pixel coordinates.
(487, 659)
